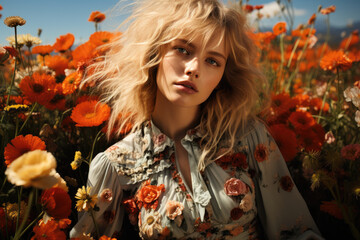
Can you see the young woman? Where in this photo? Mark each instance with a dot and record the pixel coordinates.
(197, 164)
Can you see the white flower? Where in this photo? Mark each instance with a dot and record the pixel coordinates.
(11, 40)
(151, 226)
(246, 203)
(34, 169)
(352, 95)
(29, 40)
(357, 117)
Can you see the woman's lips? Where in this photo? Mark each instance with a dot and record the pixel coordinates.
(187, 86)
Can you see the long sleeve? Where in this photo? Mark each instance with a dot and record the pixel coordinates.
(282, 211)
(109, 218)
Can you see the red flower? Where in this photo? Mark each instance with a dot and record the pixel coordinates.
(313, 138)
(56, 202)
(351, 152)
(235, 187)
(12, 51)
(49, 230)
(301, 120)
(248, 8)
(20, 145)
(279, 28)
(148, 196)
(285, 139)
(286, 183)
(236, 213)
(239, 160)
(331, 208)
(130, 206)
(261, 153)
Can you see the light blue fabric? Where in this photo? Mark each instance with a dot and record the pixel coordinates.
(146, 155)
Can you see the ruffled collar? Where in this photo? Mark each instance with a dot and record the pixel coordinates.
(160, 141)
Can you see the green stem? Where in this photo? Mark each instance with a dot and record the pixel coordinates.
(19, 207)
(26, 216)
(32, 223)
(27, 118)
(93, 145)
(324, 98)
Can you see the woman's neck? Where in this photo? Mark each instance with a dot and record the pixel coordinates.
(174, 121)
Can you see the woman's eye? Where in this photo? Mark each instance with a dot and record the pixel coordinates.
(212, 62)
(182, 50)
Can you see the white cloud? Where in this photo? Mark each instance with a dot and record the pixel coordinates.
(272, 10)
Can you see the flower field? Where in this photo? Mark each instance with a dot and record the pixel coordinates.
(52, 125)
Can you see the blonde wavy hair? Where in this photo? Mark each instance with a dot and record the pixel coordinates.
(127, 73)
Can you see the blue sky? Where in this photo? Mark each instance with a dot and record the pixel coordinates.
(57, 17)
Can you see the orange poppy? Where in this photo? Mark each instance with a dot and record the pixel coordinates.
(97, 17)
(71, 82)
(90, 113)
(335, 60)
(100, 38)
(83, 54)
(64, 42)
(42, 50)
(312, 19)
(350, 41)
(328, 10)
(57, 63)
(286, 141)
(56, 202)
(20, 145)
(48, 230)
(316, 104)
(279, 28)
(38, 87)
(85, 98)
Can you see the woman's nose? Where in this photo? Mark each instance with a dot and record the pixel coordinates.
(192, 68)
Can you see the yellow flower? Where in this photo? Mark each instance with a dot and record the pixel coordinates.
(77, 161)
(357, 191)
(16, 108)
(34, 169)
(12, 210)
(86, 201)
(14, 21)
(315, 179)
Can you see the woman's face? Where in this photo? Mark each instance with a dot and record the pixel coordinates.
(188, 73)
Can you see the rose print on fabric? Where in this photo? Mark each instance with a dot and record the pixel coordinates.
(148, 195)
(235, 187)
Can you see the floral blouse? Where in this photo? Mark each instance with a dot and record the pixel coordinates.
(248, 194)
